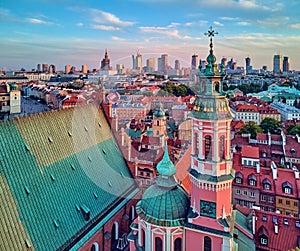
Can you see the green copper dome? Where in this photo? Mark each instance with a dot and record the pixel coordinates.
(165, 166)
(164, 203)
(159, 113)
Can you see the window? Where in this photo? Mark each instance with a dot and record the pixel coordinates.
(271, 199)
(238, 180)
(177, 244)
(279, 201)
(238, 191)
(222, 147)
(287, 188)
(252, 182)
(264, 218)
(207, 243)
(208, 148)
(196, 144)
(295, 204)
(266, 184)
(263, 197)
(158, 244)
(252, 194)
(264, 241)
(95, 247)
(245, 193)
(287, 203)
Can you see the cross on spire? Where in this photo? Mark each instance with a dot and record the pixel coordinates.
(211, 33)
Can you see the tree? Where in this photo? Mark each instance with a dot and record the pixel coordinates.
(294, 129)
(271, 125)
(251, 128)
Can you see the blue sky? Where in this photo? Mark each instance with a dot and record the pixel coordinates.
(77, 32)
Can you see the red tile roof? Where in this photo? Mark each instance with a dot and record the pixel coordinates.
(246, 108)
(250, 152)
(288, 231)
(182, 166)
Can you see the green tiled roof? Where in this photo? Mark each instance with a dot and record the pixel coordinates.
(54, 190)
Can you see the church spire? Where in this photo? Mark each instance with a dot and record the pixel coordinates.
(166, 167)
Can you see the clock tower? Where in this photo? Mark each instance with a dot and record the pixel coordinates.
(210, 173)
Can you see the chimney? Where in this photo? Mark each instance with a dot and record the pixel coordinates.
(296, 171)
(276, 228)
(269, 138)
(258, 167)
(274, 170)
(122, 136)
(129, 150)
(298, 138)
(253, 221)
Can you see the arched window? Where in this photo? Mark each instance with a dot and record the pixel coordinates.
(158, 244)
(222, 147)
(178, 244)
(95, 247)
(196, 144)
(207, 243)
(131, 214)
(157, 123)
(114, 235)
(267, 184)
(143, 238)
(208, 148)
(238, 178)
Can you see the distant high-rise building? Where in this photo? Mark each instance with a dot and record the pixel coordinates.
(67, 69)
(177, 64)
(73, 69)
(120, 68)
(150, 64)
(162, 63)
(84, 69)
(286, 64)
(105, 62)
(45, 68)
(137, 62)
(277, 63)
(39, 68)
(194, 61)
(248, 64)
(52, 68)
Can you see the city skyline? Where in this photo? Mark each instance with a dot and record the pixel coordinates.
(78, 32)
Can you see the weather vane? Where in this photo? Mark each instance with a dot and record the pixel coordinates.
(211, 33)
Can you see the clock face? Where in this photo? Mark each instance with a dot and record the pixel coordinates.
(208, 209)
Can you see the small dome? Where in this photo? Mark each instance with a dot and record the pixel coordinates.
(160, 112)
(165, 203)
(163, 206)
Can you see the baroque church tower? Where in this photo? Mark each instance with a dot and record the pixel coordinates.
(211, 173)
(168, 219)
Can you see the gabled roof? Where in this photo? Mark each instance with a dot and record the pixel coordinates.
(250, 152)
(60, 174)
(288, 230)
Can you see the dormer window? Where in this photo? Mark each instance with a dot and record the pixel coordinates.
(263, 236)
(266, 184)
(251, 180)
(239, 178)
(287, 188)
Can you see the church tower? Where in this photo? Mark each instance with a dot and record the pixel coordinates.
(210, 173)
(159, 124)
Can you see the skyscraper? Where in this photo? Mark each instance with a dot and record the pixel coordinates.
(177, 64)
(248, 64)
(67, 69)
(277, 63)
(162, 63)
(286, 64)
(150, 64)
(137, 61)
(84, 69)
(194, 61)
(52, 68)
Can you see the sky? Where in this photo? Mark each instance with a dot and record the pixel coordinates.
(78, 32)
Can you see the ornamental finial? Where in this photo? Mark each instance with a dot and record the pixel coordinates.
(211, 33)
